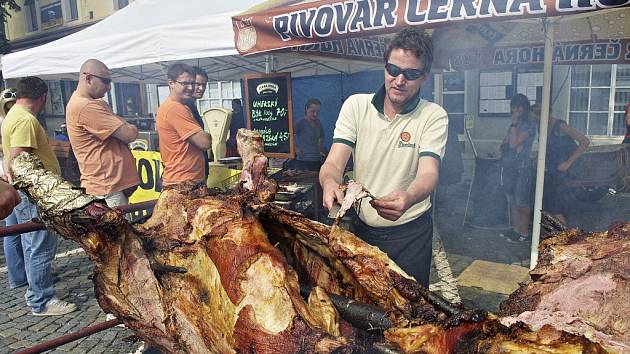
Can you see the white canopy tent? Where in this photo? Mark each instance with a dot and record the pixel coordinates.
(140, 40)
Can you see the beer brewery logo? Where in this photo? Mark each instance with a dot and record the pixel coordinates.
(267, 88)
(139, 144)
(246, 35)
(405, 137)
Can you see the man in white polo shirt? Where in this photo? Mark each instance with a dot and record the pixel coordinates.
(397, 140)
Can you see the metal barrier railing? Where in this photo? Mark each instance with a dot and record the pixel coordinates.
(34, 226)
(70, 337)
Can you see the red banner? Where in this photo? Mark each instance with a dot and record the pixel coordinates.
(323, 21)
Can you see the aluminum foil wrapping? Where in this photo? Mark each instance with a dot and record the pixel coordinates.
(53, 195)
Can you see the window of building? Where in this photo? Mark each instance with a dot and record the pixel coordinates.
(454, 99)
(71, 10)
(122, 3)
(50, 15)
(32, 23)
(128, 100)
(219, 94)
(622, 98)
(598, 94)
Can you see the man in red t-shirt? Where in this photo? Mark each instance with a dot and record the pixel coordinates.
(182, 140)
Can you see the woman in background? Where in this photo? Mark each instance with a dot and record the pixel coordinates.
(309, 138)
(516, 168)
(562, 151)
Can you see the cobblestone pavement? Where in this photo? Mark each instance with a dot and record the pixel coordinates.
(72, 270)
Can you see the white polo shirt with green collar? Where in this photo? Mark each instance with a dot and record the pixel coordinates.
(386, 154)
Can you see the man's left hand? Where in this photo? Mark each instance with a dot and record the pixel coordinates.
(392, 206)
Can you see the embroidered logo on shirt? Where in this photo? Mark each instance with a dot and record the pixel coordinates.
(405, 137)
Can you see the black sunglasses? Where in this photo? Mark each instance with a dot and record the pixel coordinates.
(9, 94)
(104, 80)
(409, 74)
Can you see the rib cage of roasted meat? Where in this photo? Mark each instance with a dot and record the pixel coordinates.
(222, 273)
(581, 284)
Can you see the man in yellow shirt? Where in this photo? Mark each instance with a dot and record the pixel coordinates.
(21, 132)
(407, 136)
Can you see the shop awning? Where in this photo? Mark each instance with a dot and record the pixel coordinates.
(310, 22)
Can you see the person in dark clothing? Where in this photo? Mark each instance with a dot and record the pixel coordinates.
(626, 109)
(516, 168)
(309, 138)
(201, 82)
(235, 124)
(562, 151)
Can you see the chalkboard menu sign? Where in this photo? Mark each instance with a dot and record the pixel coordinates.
(268, 107)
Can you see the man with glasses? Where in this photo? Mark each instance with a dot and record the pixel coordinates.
(182, 140)
(201, 81)
(21, 132)
(397, 141)
(100, 139)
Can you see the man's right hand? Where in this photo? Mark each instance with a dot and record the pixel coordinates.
(331, 194)
(331, 174)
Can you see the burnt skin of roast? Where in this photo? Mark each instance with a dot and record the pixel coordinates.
(219, 274)
(230, 290)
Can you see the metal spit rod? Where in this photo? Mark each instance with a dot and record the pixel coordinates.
(70, 337)
(34, 226)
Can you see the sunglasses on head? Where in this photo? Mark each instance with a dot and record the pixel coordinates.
(9, 94)
(409, 74)
(104, 80)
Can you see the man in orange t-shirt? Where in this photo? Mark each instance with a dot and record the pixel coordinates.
(182, 140)
(100, 139)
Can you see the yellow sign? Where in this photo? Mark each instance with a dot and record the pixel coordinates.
(150, 168)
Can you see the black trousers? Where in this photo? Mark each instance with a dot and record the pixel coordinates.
(408, 245)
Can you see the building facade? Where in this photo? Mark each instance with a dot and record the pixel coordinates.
(43, 21)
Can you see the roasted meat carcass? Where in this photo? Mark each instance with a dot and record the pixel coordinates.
(223, 273)
(581, 285)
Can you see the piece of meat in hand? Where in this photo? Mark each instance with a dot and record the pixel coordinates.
(354, 193)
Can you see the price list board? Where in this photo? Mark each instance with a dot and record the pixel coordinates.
(268, 106)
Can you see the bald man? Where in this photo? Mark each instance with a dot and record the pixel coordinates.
(100, 138)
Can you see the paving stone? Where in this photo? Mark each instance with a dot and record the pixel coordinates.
(20, 344)
(35, 337)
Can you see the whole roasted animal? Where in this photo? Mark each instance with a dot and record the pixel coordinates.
(581, 285)
(223, 273)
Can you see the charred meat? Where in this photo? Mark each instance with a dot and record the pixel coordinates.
(223, 274)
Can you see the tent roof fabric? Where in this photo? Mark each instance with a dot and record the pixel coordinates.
(144, 32)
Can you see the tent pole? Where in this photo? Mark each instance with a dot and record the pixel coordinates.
(542, 140)
(269, 64)
(438, 88)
